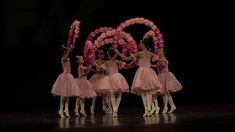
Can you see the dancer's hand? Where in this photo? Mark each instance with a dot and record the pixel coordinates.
(115, 50)
(133, 56)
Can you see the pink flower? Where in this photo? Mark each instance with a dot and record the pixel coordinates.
(96, 42)
(89, 38)
(129, 39)
(92, 34)
(106, 41)
(101, 29)
(123, 25)
(150, 24)
(115, 45)
(110, 40)
(119, 28)
(127, 21)
(127, 35)
(145, 23)
(160, 36)
(109, 28)
(155, 38)
(72, 46)
(136, 18)
(131, 23)
(157, 31)
(156, 43)
(125, 44)
(101, 43)
(121, 41)
(113, 31)
(108, 33)
(88, 43)
(103, 35)
(161, 45)
(132, 19)
(115, 37)
(99, 38)
(76, 36)
(97, 31)
(141, 19)
(119, 37)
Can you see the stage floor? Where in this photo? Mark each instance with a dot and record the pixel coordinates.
(185, 118)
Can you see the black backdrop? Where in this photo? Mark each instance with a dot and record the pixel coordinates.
(33, 30)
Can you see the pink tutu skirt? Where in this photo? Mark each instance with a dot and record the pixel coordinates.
(104, 86)
(64, 85)
(95, 79)
(86, 89)
(118, 83)
(169, 82)
(146, 80)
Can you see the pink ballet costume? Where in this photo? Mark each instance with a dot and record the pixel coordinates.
(104, 86)
(114, 82)
(86, 89)
(65, 83)
(96, 78)
(145, 79)
(167, 78)
(117, 81)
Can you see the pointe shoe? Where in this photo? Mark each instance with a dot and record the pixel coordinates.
(76, 113)
(149, 113)
(145, 112)
(109, 111)
(104, 108)
(61, 114)
(173, 108)
(92, 109)
(153, 110)
(115, 112)
(145, 115)
(83, 113)
(67, 114)
(164, 110)
(157, 111)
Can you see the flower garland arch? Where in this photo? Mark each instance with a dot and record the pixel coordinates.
(125, 40)
(156, 39)
(73, 34)
(88, 47)
(154, 32)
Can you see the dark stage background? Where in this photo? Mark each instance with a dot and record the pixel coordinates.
(33, 30)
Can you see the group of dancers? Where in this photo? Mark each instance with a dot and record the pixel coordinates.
(108, 83)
